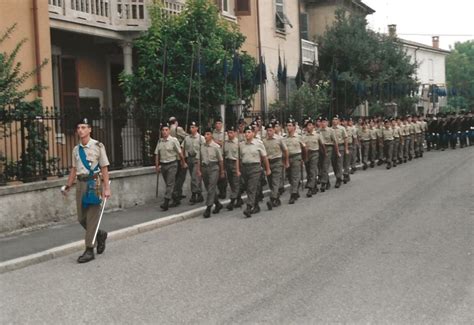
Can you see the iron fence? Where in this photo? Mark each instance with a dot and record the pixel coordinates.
(40, 146)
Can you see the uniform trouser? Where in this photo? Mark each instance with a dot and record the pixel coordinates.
(418, 144)
(463, 138)
(195, 180)
(453, 139)
(87, 217)
(326, 160)
(365, 146)
(274, 180)
(169, 173)
(388, 151)
(373, 150)
(232, 178)
(406, 147)
(312, 168)
(294, 172)
(210, 176)
(401, 148)
(251, 177)
(380, 149)
(178, 185)
(355, 154)
(411, 149)
(395, 147)
(337, 162)
(320, 166)
(347, 159)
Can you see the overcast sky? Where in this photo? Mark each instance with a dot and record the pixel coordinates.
(452, 20)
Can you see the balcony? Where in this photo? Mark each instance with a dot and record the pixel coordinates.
(310, 52)
(113, 15)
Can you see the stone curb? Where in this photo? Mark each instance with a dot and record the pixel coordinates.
(63, 250)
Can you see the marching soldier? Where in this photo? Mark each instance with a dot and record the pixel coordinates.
(232, 165)
(387, 138)
(396, 143)
(219, 137)
(364, 139)
(329, 140)
(347, 158)
(355, 153)
(406, 134)
(191, 147)
(167, 152)
(418, 137)
(252, 154)
(177, 132)
(296, 152)
(210, 168)
(90, 165)
(412, 130)
(380, 149)
(314, 146)
(401, 145)
(277, 154)
(373, 143)
(341, 136)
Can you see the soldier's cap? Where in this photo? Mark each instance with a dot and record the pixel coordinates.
(172, 119)
(248, 128)
(230, 128)
(207, 130)
(324, 118)
(290, 120)
(254, 123)
(241, 120)
(193, 124)
(309, 120)
(276, 123)
(218, 119)
(336, 117)
(386, 120)
(269, 126)
(164, 125)
(408, 115)
(319, 118)
(84, 120)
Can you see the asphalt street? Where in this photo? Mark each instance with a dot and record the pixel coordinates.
(392, 246)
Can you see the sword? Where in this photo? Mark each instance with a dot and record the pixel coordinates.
(100, 219)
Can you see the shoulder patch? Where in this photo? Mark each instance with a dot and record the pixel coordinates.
(99, 144)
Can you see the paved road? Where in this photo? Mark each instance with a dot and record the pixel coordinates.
(390, 247)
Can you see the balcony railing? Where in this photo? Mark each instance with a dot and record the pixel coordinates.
(118, 15)
(310, 52)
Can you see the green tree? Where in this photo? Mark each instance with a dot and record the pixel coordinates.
(15, 108)
(197, 35)
(363, 65)
(460, 75)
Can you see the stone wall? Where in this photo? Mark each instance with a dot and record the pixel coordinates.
(34, 204)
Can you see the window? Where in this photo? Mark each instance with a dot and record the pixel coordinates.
(242, 8)
(225, 5)
(280, 17)
(304, 26)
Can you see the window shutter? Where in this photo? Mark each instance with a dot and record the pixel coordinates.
(304, 26)
(242, 8)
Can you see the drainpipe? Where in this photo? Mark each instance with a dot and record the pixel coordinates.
(262, 87)
(37, 48)
(299, 33)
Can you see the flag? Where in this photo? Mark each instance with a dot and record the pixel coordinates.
(225, 70)
(200, 66)
(299, 77)
(284, 75)
(236, 67)
(260, 73)
(280, 68)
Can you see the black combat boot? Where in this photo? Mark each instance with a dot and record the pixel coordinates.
(192, 200)
(230, 206)
(328, 185)
(380, 162)
(277, 202)
(353, 170)
(281, 190)
(389, 165)
(270, 204)
(101, 238)
(314, 190)
(372, 164)
(87, 256)
(338, 183)
(239, 202)
(255, 209)
(345, 179)
(248, 211)
(199, 198)
(364, 167)
(175, 202)
(292, 199)
(165, 205)
(207, 213)
(218, 206)
(309, 193)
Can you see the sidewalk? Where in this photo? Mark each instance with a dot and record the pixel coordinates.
(36, 241)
